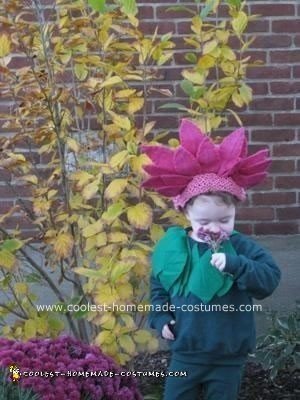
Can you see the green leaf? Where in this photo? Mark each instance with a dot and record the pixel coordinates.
(187, 87)
(12, 245)
(209, 7)
(98, 5)
(191, 57)
(129, 7)
(234, 3)
(180, 8)
(177, 106)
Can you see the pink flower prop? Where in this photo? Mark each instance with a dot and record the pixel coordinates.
(213, 239)
(224, 166)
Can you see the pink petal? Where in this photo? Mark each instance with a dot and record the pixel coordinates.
(153, 170)
(176, 180)
(156, 183)
(190, 136)
(161, 156)
(247, 181)
(208, 156)
(185, 163)
(255, 168)
(232, 148)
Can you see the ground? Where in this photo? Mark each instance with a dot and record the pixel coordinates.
(256, 384)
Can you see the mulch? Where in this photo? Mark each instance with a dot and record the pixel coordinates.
(256, 384)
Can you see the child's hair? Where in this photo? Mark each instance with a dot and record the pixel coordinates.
(226, 198)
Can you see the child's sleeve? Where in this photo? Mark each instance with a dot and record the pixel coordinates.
(253, 269)
(159, 297)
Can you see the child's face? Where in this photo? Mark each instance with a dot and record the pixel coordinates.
(211, 213)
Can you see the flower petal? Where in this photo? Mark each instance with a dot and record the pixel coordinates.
(160, 155)
(231, 150)
(190, 136)
(185, 163)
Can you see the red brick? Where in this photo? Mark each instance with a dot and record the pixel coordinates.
(267, 184)
(5, 206)
(288, 213)
(256, 55)
(245, 228)
(297, 41)
(18, 221)
(296, 71)
(166, 122)
(287, 182)
(286, 26)
(272, 41)
(272, 103)
(256, 119)
(286, 56)
(148, 28)
(22, 191)
(287, 119)
(286, 150)
(282, 166)
(268, 72)
(172, 74)
(273, 198)
(257, 213)
(259, 88)
(278, 10)
(285, 87)
(145, 12)
(276, 228)
(258, 26)
(184, 28)
(272, 135)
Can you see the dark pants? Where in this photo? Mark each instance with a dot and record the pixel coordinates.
(220, 382)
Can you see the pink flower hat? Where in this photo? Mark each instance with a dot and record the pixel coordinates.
(199, 166)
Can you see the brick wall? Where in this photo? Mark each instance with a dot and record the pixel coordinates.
(272, 118)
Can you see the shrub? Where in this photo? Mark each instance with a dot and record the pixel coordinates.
(61, 355)
(280, 347)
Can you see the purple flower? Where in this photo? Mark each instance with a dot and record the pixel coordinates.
(65, 354)
(213, 239)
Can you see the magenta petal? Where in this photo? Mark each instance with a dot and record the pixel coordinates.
(255, 168)
(156, 183)
(153, 170)
(208, 156)
(247, 181)
(190, 136)
(176, 180)
(261, 155)
(161, 156)
(185, 163)
(232, 148)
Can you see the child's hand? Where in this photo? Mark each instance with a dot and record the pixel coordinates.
(218, 260)
(166, 332)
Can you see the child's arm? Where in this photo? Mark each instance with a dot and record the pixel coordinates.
(253, 269)
(159, 297)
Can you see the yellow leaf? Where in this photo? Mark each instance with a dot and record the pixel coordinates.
(21, 288)
(195, 77)
(7, 259)
(142, 336)
(101, 239)
(239, 23)
(119, 159)
(102, 337)
(73, 144)
(125, 291)
(113, 211)
(30, 329)
(117, 237)
(135, 104)
(137, 163)
(63, 245)
(206, 62)
(209, 46)
(128, 320)
(125, 93)
(108, 321)
(119, 270)
(246, 93)
(106, 295)
(92, 229)
(237, 99)
(127, 344)
(90, 190)
(152, 345)
(156, 232)
(121, 121)
(4, 45)
(228, 53)
(140, 216)
(148, 127)
(113, 80)
(82, 178)
(115, 188)
(81, 71)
